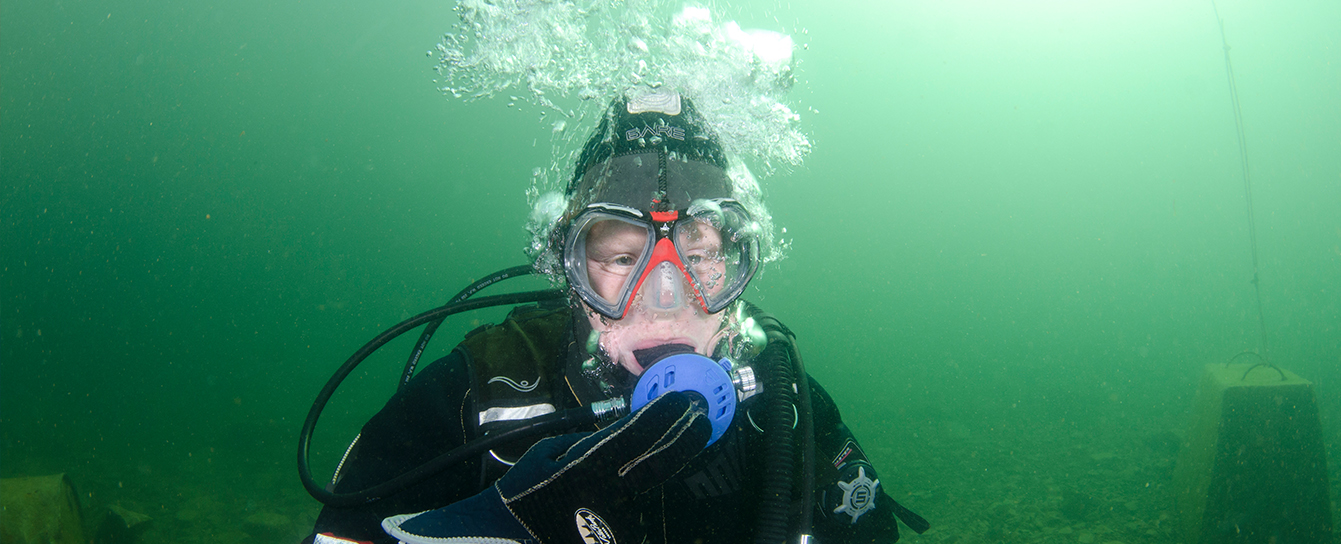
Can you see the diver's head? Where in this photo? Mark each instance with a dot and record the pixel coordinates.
(652, 243)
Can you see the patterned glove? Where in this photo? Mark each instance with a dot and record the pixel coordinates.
(573, 488)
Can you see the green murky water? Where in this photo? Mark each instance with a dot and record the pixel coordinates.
(1021, 233)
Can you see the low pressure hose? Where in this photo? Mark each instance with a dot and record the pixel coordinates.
(787, 380)
(405, 480)
(469, 291)
(546, 424)
(775, 497)
(807, 424)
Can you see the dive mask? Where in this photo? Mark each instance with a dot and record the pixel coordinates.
(611, 251)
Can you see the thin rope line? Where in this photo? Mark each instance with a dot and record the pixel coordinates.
(1247, 177)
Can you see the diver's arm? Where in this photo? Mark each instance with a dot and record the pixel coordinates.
(417, 424)
(842, 475)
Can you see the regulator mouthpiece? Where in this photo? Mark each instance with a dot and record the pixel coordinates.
(692, 373)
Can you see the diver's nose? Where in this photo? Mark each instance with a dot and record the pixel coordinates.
(663, 291)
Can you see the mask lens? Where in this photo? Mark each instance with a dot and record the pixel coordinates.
(604, 258)
(719, 251)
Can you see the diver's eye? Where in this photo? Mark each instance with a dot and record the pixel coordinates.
(625, 260)
(693, 260)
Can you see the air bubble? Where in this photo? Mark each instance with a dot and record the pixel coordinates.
(547, 53)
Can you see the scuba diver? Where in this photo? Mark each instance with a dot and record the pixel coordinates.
(720, 436)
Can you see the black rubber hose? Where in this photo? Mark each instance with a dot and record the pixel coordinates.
(788, 380)
(469, 291)
(403, 481)
(416, 353)
(807, 424)
(776, 494)
(558, 421)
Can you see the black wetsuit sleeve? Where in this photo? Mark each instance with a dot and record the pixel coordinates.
(837, 454)
(428, 417)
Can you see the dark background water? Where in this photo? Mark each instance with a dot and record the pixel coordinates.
(1015, 214)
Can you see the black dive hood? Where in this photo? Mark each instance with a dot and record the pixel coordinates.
(650, 153)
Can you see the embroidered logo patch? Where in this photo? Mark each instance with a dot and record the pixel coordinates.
(851, 452)
(523, 386)
(592, 528)
(842, 455)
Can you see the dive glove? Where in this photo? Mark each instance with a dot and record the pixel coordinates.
(573, 488)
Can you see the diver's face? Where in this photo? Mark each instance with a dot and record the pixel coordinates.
(664, 310)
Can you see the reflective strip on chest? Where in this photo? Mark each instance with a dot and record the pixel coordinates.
(515, 413)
